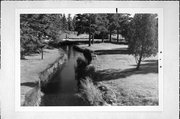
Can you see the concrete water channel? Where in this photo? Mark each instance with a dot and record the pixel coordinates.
(64, 86)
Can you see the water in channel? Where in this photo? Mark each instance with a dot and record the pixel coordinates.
(62, 92)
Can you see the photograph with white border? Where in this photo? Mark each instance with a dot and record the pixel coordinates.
(86, 59)
(16, 73)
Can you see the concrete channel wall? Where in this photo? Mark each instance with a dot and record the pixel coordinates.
(51, 70)
(33, 97)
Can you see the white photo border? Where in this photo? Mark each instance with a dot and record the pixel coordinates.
(18, 106)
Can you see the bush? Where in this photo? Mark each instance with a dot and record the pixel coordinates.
(90, 93)
(33, 97)
(90, 71)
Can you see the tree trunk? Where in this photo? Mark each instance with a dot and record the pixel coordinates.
(89, 39)
(42, 53)
(102, 38)
(92, 38)
(89, 31)
(117, 35)
(22, 55)
(139, 61)
(110, 37)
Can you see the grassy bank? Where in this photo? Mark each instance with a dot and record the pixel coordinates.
(116, 69)
(30, 69)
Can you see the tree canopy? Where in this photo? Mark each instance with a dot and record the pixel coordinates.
(102, 24)
(85, 23)
(141, 31)
(35, 28)
(143, 36)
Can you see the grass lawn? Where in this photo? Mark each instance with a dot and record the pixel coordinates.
(32, 66)
(116, 69)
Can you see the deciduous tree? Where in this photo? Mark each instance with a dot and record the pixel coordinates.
(143, 36)
(102, 24)
(34, 28)
(85, 23)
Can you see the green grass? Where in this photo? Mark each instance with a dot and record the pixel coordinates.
(32, 66)
(117, 71)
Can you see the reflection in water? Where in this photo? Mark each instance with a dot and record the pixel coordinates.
(66, 86)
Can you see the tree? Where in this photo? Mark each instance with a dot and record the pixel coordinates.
(102, 24)
(74, 23)
(32, 29)
(37, 27)
(124, 24)
(120, 22)
(111, 25)
(117, 19)
(64, 23)
(55, 26)
(143, 36)
(85, 23)
(70, 23)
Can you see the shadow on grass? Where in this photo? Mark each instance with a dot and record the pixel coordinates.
(29, 84)
(35, 54)
(32, 59)
(112, 51)
(150, 66)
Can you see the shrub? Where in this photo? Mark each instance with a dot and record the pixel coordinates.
(90, 71)
(33, 97)
(90, 93)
